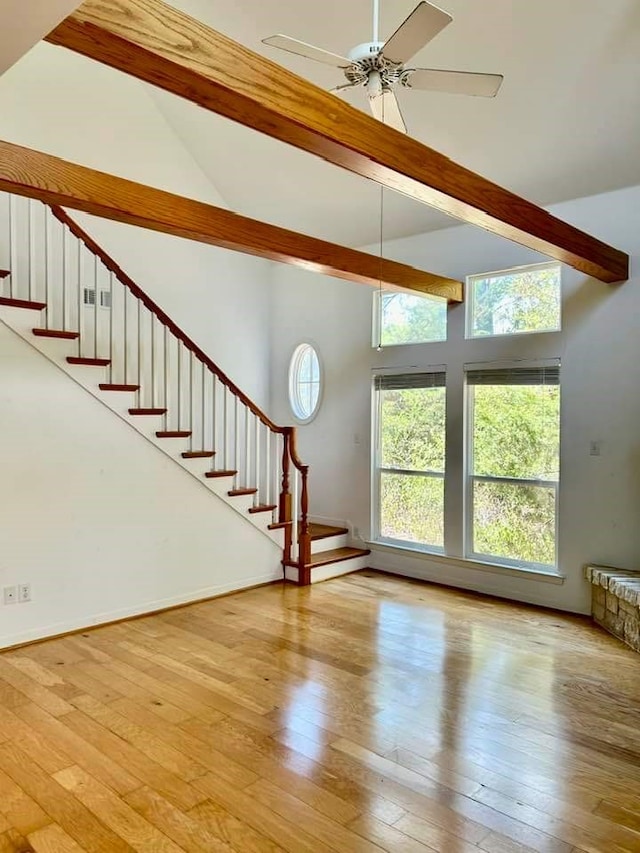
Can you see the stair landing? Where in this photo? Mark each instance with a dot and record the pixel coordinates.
(325, 531)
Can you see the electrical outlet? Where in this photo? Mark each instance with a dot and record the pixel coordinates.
(10, 595)
(24, 592)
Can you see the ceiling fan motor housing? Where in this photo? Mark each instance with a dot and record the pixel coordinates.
(367, 57)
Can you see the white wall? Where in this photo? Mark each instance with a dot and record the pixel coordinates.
(600, 351)
(61, 103)
(100, 522)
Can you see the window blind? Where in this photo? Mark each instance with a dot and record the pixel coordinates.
(401, 381)
(514, 376)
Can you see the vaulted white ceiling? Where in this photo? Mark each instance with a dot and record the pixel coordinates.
(565, 124)
(24, 22)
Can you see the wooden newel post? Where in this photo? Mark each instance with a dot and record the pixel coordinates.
(304, 539)
(284, 503)
(284, 509)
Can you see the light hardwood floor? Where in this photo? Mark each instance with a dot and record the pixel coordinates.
(366, 713)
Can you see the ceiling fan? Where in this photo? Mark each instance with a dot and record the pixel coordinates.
(380, 67)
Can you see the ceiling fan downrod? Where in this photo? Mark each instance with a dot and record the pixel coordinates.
(376, 20)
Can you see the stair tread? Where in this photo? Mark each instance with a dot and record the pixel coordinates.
(111, 386)
(4, 273)
(335, 555)
(236, 493)
(147, 411)
(56, 333)
(21, 303)
(324, 531)
(91, 362)
(173, 433)
(198, 454)
(279, 525)
(262, 508)
(221, 473)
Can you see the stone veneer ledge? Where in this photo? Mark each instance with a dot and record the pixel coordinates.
(615, 602)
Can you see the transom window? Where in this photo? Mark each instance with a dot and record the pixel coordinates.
(410, 459)
(405, 318)
(514, 302)
(304, 383)
(513, 465)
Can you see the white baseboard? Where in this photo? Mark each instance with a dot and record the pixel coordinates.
(448, 572)
(92, 621)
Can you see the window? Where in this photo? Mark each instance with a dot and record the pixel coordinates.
(410, 459)
(403, 318)
(514, 302)
(513, 465)
(304, 383)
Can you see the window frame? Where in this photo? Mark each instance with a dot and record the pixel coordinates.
(376, 326)
(470, 301)
(377, 470)
(471, 479)
(294, 381)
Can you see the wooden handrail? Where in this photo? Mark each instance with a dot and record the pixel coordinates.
(63, 217)
(293, 450)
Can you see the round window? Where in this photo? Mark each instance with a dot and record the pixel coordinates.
(304, 382)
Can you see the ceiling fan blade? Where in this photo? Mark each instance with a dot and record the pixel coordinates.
(423, 24)
(453, 82)
(385, 108)
(309, 51)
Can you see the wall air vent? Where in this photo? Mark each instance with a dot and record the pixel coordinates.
(89, 297)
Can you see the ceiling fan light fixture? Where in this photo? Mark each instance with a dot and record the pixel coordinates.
(374, 85)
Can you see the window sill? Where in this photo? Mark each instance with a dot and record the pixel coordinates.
(538, 575)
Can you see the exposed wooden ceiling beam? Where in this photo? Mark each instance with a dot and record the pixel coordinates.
(163, 46)
(54, 181)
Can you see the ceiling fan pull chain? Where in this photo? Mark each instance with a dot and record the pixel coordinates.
(380, 297)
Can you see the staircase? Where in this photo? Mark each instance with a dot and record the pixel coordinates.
(63, 294)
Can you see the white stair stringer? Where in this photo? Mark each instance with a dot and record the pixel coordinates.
(22, 321)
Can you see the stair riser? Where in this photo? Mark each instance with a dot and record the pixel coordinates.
(242, 503)
(330, 543)
(220, 485)
(118, 401)
(148, 426)
(21, 320)
(57, 349)
(197, 467)
(277, 536)
(333, 570)
(262, 520)
(172, 446)
(87, 376)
